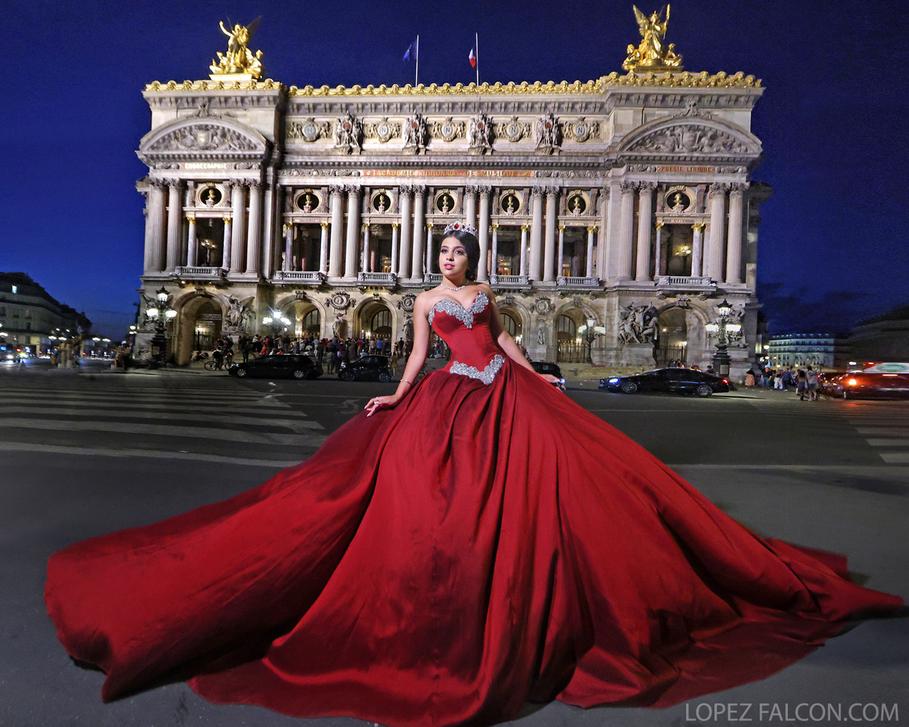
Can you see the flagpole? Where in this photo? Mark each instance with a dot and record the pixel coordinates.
(416, 80)
(476, 44)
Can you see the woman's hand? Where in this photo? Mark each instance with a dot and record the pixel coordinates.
(378, 401)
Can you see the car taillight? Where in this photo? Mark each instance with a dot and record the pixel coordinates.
(851, 382)
(725, 381)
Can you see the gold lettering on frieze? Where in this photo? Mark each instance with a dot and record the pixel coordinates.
(682, 169)
(488, 173)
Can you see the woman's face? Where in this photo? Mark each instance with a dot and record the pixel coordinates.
(453, 259)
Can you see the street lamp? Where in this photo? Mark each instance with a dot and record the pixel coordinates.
(160, 314)
(589, 332)
(721, 357)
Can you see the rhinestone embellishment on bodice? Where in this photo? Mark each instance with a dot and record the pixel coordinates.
(453, 308)
(486, 375)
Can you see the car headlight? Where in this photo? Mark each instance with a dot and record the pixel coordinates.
(613, 380)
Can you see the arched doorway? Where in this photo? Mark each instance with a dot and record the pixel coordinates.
(672, 337)
(305, 318)
(511, 324)
(375, 324)
(569, 346)
(200, 326)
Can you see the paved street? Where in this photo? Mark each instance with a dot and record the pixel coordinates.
(84, 454)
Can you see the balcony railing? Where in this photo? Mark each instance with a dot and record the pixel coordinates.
(509, 281)
(378, 278)
(314, 277)
(577, 282)
(684, 282)
(198, 272)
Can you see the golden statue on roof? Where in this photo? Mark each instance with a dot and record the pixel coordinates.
(652, 54)
(238, 61)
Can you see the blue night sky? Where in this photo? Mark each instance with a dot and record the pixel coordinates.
(832, 120)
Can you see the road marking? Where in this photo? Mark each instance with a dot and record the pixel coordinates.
(895, 457)
(897, 442)
(212, 409)
(167, 430)
(214, 419)
(146, 453)
(899, 431)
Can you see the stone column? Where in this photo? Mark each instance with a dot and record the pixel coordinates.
(734, 235)
(254, 229)
(174, 223)
(238, 199)
(549, 245)
(713, 260)
(561, 253)
(323, 247)
(483, 234)
(697, 248)
(225, 244)
(645, 208)
(470, 204)
(268, 231)
(590, 231)
(337, 220)
(191, 242)
(626, 232)
(394, 247)
(158, 226)
(613, 231)
(419, 220)
(353, 229)
(602, 202)
(495, 251)
(523, 263)
(658, 250)
(536, 234)
(427, 258)
(364, 265)
(288, 246)
(404, 252)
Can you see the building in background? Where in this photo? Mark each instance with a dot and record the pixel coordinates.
(881, 338)
(30, 316)
(614, 213)
(827, 351)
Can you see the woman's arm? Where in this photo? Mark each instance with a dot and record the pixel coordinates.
(502, 336)
(420, 346)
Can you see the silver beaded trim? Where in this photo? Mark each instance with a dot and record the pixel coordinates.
(453, 308)
(486, 375)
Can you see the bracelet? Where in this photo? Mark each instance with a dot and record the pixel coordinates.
(406, 381)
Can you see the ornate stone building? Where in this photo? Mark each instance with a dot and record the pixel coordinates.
(615, 213)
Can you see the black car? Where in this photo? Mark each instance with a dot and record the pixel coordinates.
(290, 365)
(547, 367)
(370, 367)
(671, 380)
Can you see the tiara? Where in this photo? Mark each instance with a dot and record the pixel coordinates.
(459, 226)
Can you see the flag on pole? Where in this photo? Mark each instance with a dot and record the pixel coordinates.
(472, 58)
(411, 51)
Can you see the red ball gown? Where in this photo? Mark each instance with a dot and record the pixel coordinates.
(485, 543)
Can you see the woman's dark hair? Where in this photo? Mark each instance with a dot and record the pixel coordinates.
(471, 247)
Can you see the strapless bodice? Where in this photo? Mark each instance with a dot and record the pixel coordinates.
(467, 333)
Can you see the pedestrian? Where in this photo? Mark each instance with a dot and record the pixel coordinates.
(801, 385)
(811, 379)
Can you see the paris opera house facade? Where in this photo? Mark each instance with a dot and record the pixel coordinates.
(614, 213)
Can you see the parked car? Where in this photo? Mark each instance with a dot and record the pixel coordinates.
(290, 365)
(548, 367)
(371, 367)
(861, 384)
(669, 380)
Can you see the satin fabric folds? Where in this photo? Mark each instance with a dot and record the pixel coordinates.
(478, 546)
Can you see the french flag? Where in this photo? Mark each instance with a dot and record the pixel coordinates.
(472, 58)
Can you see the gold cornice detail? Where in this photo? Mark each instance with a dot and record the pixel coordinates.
(670, 79)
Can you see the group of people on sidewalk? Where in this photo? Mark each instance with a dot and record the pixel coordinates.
(804, 380)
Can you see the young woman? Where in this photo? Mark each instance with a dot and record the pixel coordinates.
(473, 542)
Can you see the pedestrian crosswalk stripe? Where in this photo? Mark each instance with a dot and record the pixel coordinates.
(146, 453)
(895, 442)
(895, 457)
(166, 430)
(217, 410)
(204, 418)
